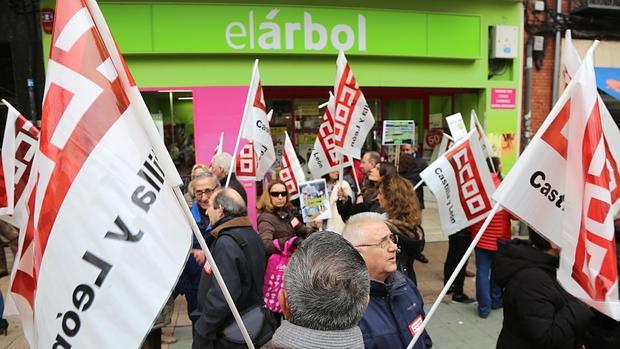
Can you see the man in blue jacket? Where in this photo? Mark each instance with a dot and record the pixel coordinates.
(396, 308)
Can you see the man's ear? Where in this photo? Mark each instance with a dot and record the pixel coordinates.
(283, 300)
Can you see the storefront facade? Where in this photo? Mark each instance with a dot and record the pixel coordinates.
(419, 60)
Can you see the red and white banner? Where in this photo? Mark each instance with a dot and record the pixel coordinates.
(18, 148)
(324, 157)
(107, 235)
(245, 167)
(572, 61)
(352, 116)
(487, 149)
(462, 184)
(256, 126)
(291, 172)
(561, 187)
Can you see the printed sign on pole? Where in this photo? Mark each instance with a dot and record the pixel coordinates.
(397, 132)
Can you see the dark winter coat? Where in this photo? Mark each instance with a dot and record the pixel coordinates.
(279, 225)
(347, 208)
(410, 244)
(393, 307)
(538, 312)
(242, 277)
(236, 185)
(410, 168)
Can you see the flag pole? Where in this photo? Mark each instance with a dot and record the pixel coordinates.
(418, 184)
(357, 182)
(216, 271)
(456, 271)
(245, 109)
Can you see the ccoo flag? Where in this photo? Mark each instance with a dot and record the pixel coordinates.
(461, 181)
(291, 172)
(324, 157)
(561, 187)
(108, 234)
(352, 116)
(256, 126)
(572, 61)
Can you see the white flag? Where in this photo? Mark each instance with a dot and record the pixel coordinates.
(291, 172)
(446, 143)
(18, 148)
(324, 157)
(256, 126)
(108, 233)
(572, 61)
(352, 116)
(560, 187)
(461, 181)
(487, 149)
(219, 146)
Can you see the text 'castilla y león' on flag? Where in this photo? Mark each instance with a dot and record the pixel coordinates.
(561, 187)
(108, 233)
(324, 157)
(461, 181)
(291, 172)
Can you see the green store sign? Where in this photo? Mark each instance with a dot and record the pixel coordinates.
(204, 28)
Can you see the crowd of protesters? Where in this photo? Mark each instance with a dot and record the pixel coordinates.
(350, 282)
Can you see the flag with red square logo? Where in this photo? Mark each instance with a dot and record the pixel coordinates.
(561, 187)
(291, 172)
(245, 167)
(461, 182)
(352, 116)
(325, 157)
(106, 233)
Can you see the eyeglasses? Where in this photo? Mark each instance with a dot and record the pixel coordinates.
(207, 191)
(383, 243)
(275, 194)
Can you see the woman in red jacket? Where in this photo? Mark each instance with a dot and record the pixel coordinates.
(488, 294)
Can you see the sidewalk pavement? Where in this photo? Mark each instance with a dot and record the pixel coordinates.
(454, 325)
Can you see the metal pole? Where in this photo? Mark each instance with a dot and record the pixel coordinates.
(527, 93)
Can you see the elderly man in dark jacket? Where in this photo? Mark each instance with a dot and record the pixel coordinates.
(243, 277)
(396, 308)
(538, 312)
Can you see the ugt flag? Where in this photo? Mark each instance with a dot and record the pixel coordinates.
(461, 181)
(109, 235)
(291, 172)
(560, 187)
(256, 126)
(572, 61)
(352, 116)
(324, 157)
(18, 148)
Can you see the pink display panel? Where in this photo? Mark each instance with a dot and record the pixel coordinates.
(216, 110)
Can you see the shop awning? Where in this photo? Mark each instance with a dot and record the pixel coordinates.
(608, 80)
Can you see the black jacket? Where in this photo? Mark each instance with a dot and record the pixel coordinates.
(243, 278)
(538, 312)
(347, 208)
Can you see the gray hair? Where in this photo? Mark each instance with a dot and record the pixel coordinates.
(326, 284)
(230, 201)
(357, 226)
(210, 175)
(373, 156)
(222, 160)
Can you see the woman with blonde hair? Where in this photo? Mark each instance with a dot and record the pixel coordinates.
(276, 220)
(400, 203)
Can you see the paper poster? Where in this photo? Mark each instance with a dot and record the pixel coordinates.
(314, 200)
(456, 126)
(397, 132)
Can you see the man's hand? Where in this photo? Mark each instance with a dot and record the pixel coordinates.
(199, 256)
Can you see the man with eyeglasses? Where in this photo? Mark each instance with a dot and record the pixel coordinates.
(396, 309)
(204, 185)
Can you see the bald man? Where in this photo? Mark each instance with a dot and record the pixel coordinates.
(242, 268)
